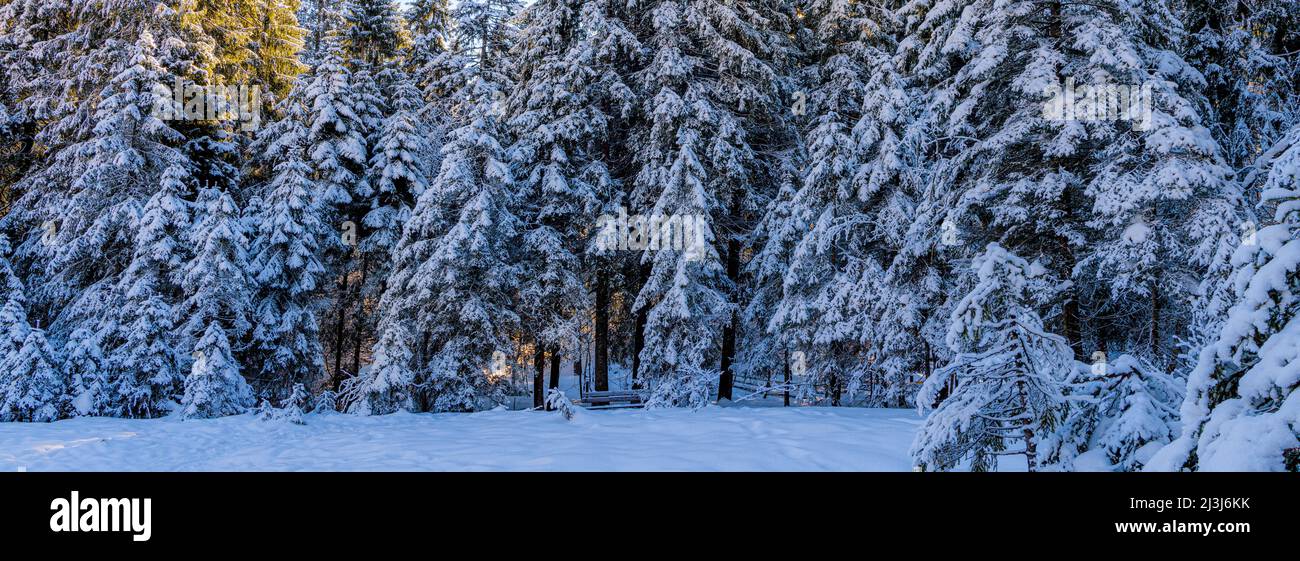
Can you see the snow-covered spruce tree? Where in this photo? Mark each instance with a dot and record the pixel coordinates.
(427, 21)
(1241, 47)
(607, 51)
(213, 150)
(459, 297)
(336, 143)
(245, 43)
(214, 387)
(560, 130)
(403, 160)
(105, 153)
(14, 335)
(33, 388)
(291, 409)
(846, 222)
(326, 403)
(217, 305)
(1092, 197)
(13, 323)
(1164, 207)
(13, 314)
(79, 206)
(390, 384)
(343, 110)
(286, 260)
(265, 411)
(220, 41)
(85, 369)
(320, 19)
(220, 37)
(1004, 382)
(428, 18)
(1117, 413)
(1241, 410)
(484, 31)
(278, 40)
(466, 56)
(372, 30)
(711, 93)
(146, 371)
(140, 339)
(448, 304)
(370, 92)
(399, 170)
(216, 280)
(16, 124)
(58, 58)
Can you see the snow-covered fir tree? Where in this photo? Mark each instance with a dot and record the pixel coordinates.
(1241, 409)
(559, 169)
(427, 197)
(711, 93)
(1002, 390)
(337, 135)
(320, 18)
(216, 280)
(1091, 195)
(372, 30)
(428, 22)
(460, 296)
(32, 388)
(399, 170)
(139, 335)
(291, 409)
(1240, 47)
(85, 369)
(13, 314)
(286, 257)
(483, 30)
(78, 209)
(278, 39)
(1118, 412)
(448, 304)
(852, 300)
(214, 387)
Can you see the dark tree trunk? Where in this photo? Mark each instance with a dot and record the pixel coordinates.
(1026, 422)
(638, 343)
(359, 323)
(727, 377)
(339, 325)
(555, 369)
(638, 335)
(539, 364)
(785, 370)
(602, 332)
(1027, 430)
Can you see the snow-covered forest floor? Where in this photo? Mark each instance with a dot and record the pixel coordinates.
(740, 438)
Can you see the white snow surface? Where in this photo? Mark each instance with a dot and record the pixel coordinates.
(711, 439)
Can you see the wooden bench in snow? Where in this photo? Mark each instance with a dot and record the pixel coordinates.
(612, 400)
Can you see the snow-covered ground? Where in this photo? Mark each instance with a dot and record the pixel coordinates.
(715, 438)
